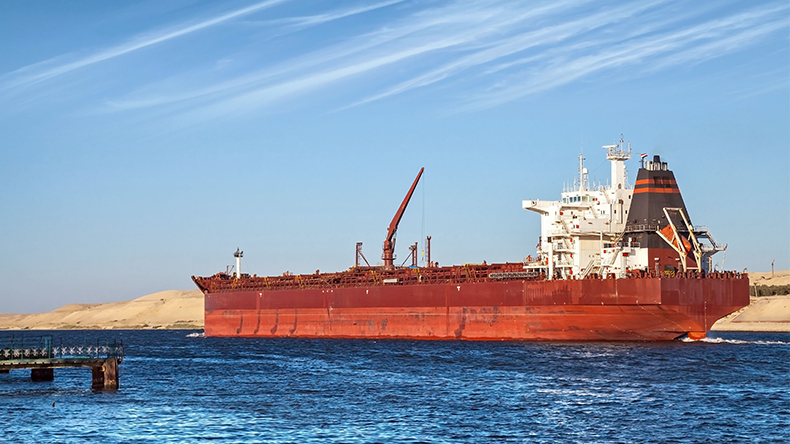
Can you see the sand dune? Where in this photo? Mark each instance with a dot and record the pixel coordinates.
(171, 309)
(779, 278)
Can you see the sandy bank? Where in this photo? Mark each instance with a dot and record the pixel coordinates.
(778, 278)
(173, 309)
(767, 313)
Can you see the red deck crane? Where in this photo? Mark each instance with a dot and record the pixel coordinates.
(389, 243)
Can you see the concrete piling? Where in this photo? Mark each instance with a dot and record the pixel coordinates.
(105, 376)
(42, 374)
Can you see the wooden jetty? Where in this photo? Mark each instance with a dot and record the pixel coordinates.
(41, 355)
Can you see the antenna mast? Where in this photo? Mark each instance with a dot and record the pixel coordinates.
(238, 255)
(617, 155)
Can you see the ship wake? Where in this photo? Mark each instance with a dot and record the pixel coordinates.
(734, 341)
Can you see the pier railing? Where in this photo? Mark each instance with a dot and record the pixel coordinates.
(16, 348)
(41, 355)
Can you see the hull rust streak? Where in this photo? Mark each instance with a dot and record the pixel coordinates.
(612, 309)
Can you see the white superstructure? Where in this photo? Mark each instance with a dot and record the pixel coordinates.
(582, 232)
(587, 230)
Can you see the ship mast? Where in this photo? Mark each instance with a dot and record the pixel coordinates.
(617, 155)
(583, 183)
(389, 243)
(238, 255)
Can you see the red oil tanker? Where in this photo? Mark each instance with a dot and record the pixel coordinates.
(614, 263)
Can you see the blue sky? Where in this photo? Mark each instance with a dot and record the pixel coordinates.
(143, 142)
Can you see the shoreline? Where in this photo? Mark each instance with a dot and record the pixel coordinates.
(172, 309)
(764, 314)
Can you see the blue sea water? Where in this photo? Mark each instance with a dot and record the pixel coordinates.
(177, 386)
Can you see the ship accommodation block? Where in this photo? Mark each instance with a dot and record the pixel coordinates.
(611, 230)
(582, 232)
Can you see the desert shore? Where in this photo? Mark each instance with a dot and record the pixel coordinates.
(183, 309)
(767, 313)
(173, 309)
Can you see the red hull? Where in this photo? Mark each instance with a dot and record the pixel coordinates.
(574, 310)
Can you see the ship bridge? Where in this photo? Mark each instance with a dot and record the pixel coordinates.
(575, 228)
(610, 230)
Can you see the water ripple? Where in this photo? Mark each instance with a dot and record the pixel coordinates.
(182, 387)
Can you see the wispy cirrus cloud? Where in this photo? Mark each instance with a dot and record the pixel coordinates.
(653, 53)
(443, 30)
(317, 19)
(284, 70)
(479, 53)
(512, 45)
(34, 74)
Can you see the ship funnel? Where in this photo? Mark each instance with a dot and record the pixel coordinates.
(656, 164)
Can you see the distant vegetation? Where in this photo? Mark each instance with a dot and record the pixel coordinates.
(768, 290)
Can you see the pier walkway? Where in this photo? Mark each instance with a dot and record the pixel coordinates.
(42, 355)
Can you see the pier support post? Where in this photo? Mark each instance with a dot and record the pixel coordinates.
(106, 376)
(42, 374)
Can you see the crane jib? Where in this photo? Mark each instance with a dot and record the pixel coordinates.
(389, 243)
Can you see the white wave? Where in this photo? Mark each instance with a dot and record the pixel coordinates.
(734, 341)
(196, 335)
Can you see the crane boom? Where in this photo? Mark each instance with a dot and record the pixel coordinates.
(389, 243)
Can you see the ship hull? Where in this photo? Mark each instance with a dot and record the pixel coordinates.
(641, 309)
